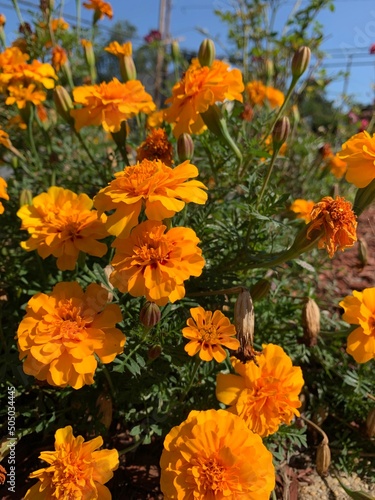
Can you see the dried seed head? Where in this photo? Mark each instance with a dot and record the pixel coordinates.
(370, 424)
(310, 322)
(323, 458)
(244, 323)
(300, 61)
(206, 53)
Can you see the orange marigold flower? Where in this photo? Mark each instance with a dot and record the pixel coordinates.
(59, 57)
(200, 88)
(302, 208)
(100, 7)
(259, 93)
(62, 223)
(64, 331)
(3, 193)
(208, 333)
(156, 118)
(21, 96)
(3, 20)
(360, 310)
(116, 49)
(4, 139)
(264, 394)
(75, 469)
(213, 455)
(161, 190)
(359, 154)
(154, 263)
(156, 147)
(338, 221)
(59, 24)
(337, 166)
(275, 97)
(109, 104)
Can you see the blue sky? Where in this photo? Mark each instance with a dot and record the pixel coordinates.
(349, 32)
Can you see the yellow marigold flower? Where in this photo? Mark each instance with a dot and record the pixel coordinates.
(62, 223)
(208, 333)
(302, 208)
(11, 57)
(161, 190)
(3, 193)
(213, 455)
(64, 331)
(155, 119)
(156, 147)
(86, 43)
(264, 394)
(109, 104)
(59, 24)
(360, 310)
(100, 7)
(200, 88)
(337, 166)
(59, 57)
(42, 73)
(75, 469)
(359, 154)
(21, 96)
(154, 263)
(259, 93)
(339, 222)
(116, 49)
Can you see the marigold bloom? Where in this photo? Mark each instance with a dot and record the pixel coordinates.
(59, 24)
(116, 49)
(208, 333)
(274, 97)
(360, 310)
(200, 88)
(359, 154)
(63, 332)
(154, 263)
(259, 93)
(213, 455)
(337, 166)
(100, 7)
(163, 191)
(62, 223)
(4, 139)
(339, 222)
(21, 96)
(59, 57)
(156, 147)
(3, 193)
(75, 469)
(109, 104)
(302, 208)
(264, 394)
(3, 20)
(156, 118)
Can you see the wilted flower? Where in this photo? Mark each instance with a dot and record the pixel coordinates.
(200, 88)
(263, 393)
(154, 263)
(337, 219)
(213, 455)
(360, 310)
(302, 208)
(3, 193)
(109, 104)
(64, 331)
(75, 469)
(62, 223)
(59, 57)
(156, 147)
(161, 190)
(359, 154)
(100, 7)
(259, 94)
(207, 333)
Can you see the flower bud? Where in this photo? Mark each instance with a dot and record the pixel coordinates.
(127, 68)
(63, 103)
(300, 61)
(185, 147)
(244, 323)
(260, 289)
(175, 51)
(108, 270)
(280, 132)
(362, 252)
(154, 352)
(150, 315)
(323, 458)
(206, 54)
(310, 322)
(90, 58)
(370, 424)
(269, 68)
(26, 197)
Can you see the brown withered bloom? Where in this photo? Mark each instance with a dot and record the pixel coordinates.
(339, 222)
(156, 147)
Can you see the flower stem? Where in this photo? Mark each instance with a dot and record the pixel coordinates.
(197, 363)
(109, 380)
(268, 175)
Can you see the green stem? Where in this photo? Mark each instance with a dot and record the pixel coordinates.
(268, 175)
(31, 138)
(110, 383)
(197, 363)
(83, 144)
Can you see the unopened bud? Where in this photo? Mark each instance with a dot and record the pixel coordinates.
(269, 68)
(175, 51)
(206, 54)
(323, 458)
(90, 58)
(244, 323)
(185, 147)
(108, 270)
(310, 322)
(370, 424)
(26, 197)
(300, 61)
(154, 352)
(63, 103)
(260, 289)
(280, 132)
(362, 252)
(127, 68)
(150, 315)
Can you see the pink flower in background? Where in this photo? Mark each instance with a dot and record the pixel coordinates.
(153, 36)
(372, 48)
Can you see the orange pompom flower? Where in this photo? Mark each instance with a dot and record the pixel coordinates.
(200, 88)
(338, 221)
(156, 147)
(63, 332)
(207, 333)
(360, 310)
(154, 263)
(359, 154)
(100, 7)
(213, 455)
(259, 94)
(264, 394)
(302, 208)
(62, 223)
(3, 193)
(109, 104)
(75, 469)
(161, 190)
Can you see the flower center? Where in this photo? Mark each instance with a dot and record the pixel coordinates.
(371, 324)
(152, 255)
(69, 330)
(140, 178)
(212, 474)
(71, 475)
(209, 333)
